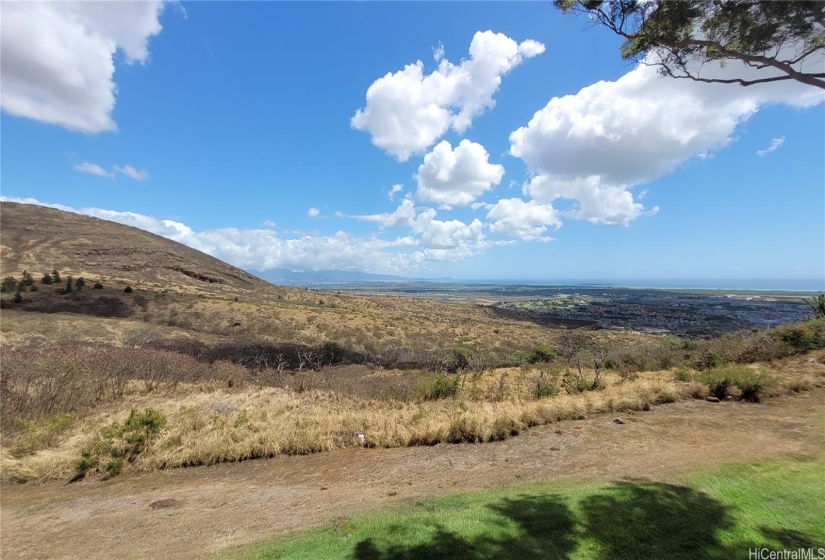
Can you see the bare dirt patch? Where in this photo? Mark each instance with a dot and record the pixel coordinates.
(229, 505)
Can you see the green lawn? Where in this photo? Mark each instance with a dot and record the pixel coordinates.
(715, 514)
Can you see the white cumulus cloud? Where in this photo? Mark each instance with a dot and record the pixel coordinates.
(429, 232)
(313, 212)
(57, 58)
(526, 220)
(594, 145)
(407, 111)
(456, 177)
(263, 249)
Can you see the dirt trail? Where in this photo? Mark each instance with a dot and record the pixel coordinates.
(225, 506)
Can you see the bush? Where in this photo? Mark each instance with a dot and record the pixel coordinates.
(9, 284)
(47, 279)
(333, 353)
(802, 337)
(441, 387)
(461, 359)
(541, 354)
(127, 290)
(98, 286)
(121, 443)
(737, 381)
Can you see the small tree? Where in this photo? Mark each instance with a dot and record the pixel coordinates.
(27, 279)
(56, 276)
(69, 285)
(9, 284)
(47, 279)
(17, 297)
(79, 283)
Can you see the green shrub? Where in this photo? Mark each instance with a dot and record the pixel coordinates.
(98, 286)
(9, 284)
(544, 389)
(47, 279)
(683, 374)
(541, 354)
(441, 387)
(119, 444)
(802, 337)
(738, 381)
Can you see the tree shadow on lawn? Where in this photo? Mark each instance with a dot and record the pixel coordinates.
(633, 520)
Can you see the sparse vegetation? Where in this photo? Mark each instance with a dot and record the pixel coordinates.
(241, 370)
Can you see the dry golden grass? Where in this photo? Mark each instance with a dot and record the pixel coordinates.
(224, 302)
(210, 423)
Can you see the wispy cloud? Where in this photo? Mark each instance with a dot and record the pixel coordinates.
(93, 169)
(127, 170)
(775, 143)
(394, 191)
(130, 171)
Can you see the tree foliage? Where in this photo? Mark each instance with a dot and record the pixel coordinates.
(817, 305)
(9, 284)
(786, 39)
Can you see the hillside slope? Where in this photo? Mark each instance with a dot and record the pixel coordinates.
(40, 239)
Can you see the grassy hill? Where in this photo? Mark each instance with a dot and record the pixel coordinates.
(226, 367)
(198, 296)
(40, 239)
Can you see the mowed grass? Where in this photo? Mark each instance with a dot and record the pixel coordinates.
(717, 514)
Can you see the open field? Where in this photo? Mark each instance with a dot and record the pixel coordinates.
(218, 508)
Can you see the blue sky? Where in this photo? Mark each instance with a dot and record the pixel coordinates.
(309, 136)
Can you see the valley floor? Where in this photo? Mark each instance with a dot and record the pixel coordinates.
(199, 512)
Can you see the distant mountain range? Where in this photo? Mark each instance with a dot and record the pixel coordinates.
(288, 277)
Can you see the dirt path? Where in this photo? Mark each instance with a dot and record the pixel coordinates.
(226, 506)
